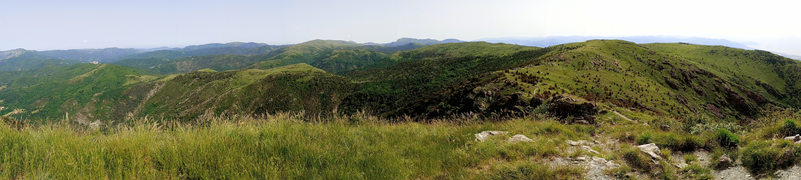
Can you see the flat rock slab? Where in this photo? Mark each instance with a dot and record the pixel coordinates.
(519, 138)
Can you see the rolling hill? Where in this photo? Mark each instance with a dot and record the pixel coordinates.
(440, 80)
(85, 91)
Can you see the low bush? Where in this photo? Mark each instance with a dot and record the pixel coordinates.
(727, 139)
(762, 157)
(790, 128)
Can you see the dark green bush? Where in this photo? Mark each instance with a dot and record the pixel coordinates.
(790, 128)
(727, 139)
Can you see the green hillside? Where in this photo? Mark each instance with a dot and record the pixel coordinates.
(196, 51)
(628, 76)
(187, 64)
(319, 106)
(85, 91)
(20, 59)
(88, 55)
(307, 52)
(426, 82)
(768, 74)
(415, 75)
(329, 55)
(297, 87)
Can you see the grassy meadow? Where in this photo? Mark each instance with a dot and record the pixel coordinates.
(285, 146)
(296, 146)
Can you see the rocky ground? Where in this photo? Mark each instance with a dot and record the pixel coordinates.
(597, 167)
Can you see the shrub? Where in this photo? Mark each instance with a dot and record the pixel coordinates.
(790, 128)
(695, 119)
(761, 157)
(696, 171)
(726, 138)
(645, 138)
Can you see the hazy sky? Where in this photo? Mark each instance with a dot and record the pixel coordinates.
(58, 24)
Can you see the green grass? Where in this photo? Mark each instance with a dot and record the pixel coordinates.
(283, 146)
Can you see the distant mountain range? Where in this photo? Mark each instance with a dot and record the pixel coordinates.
(556, 40)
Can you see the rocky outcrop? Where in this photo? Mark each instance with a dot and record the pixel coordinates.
(487, 134)
(572, 110)
(651, 149)
(725, 162)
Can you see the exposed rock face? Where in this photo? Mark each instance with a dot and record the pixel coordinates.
(509, 105)
(487, 134)
(565, 107)
(735, 100)
(651, 149)
(725, 162)
(795, 138)
(519, 138)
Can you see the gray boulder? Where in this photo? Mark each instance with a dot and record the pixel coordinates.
(651, 149)
(480, 137)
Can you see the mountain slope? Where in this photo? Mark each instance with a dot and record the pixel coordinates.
(85, 91)
(428, 82)
(206, 50)
(297, 87)
(19, 60)
(88, 55)
(414, 75)
(622, 74)
(307, 52)
(768, 74)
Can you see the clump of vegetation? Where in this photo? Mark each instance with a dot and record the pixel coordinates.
(696, 171)
(790, 128)
(637, 159)
(621, 172)
(726, 138)
(765, 157)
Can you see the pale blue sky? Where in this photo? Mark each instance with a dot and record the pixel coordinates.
(57, 24)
